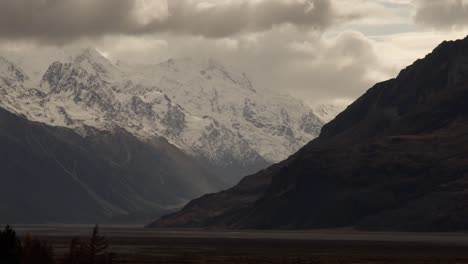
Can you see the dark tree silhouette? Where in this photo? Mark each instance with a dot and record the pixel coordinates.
(77, 252)
(10, 246)
(92, 251)
(34, 251)
(97, 244)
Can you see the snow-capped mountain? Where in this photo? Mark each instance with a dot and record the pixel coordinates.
(94, 172)
(271, 124)
(205, 109)
(327, 112)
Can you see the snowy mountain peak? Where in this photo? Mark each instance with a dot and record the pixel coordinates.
(327, 112)
(90, 55)
(200, 106)
(207, 71)
(95, 63)
(271, 124)
(184, 64)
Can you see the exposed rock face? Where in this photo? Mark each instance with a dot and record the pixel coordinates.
(174, 119)
(126, 146)
(393, 160)
(11, 75)
(86, 174)
(205, 109)
(222, 105)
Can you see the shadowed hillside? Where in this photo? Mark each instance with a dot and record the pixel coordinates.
(396, 159)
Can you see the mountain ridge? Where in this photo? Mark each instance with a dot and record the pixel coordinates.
(394, 160)
(203, 108)
(128, 148)
(105, 175)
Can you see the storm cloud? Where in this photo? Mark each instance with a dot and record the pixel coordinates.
(226, 18)
(68, 20)
(442, 14)
(310, 66)
(63, 20)
(316, 50)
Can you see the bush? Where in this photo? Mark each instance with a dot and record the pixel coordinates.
(93, 251)
(34, 251)
(10, 246)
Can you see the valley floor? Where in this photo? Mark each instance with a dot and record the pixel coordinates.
(137, 245)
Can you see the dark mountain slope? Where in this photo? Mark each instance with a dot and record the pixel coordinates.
(52, 174)
(396, 159)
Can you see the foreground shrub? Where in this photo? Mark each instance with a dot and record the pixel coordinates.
(34, 251)
(10, 246)
(92, 251)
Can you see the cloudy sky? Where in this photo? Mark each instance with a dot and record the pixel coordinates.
(317, 50)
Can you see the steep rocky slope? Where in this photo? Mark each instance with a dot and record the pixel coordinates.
(396, 159)
(208, 111)
(87, 175)
(52, 174)
(120, 145)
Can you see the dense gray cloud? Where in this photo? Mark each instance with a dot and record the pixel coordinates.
(301, 47)
(222, 19)
(63, 20)
(311, 66)
(442, 14)
(322, 69)
(68, 20)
